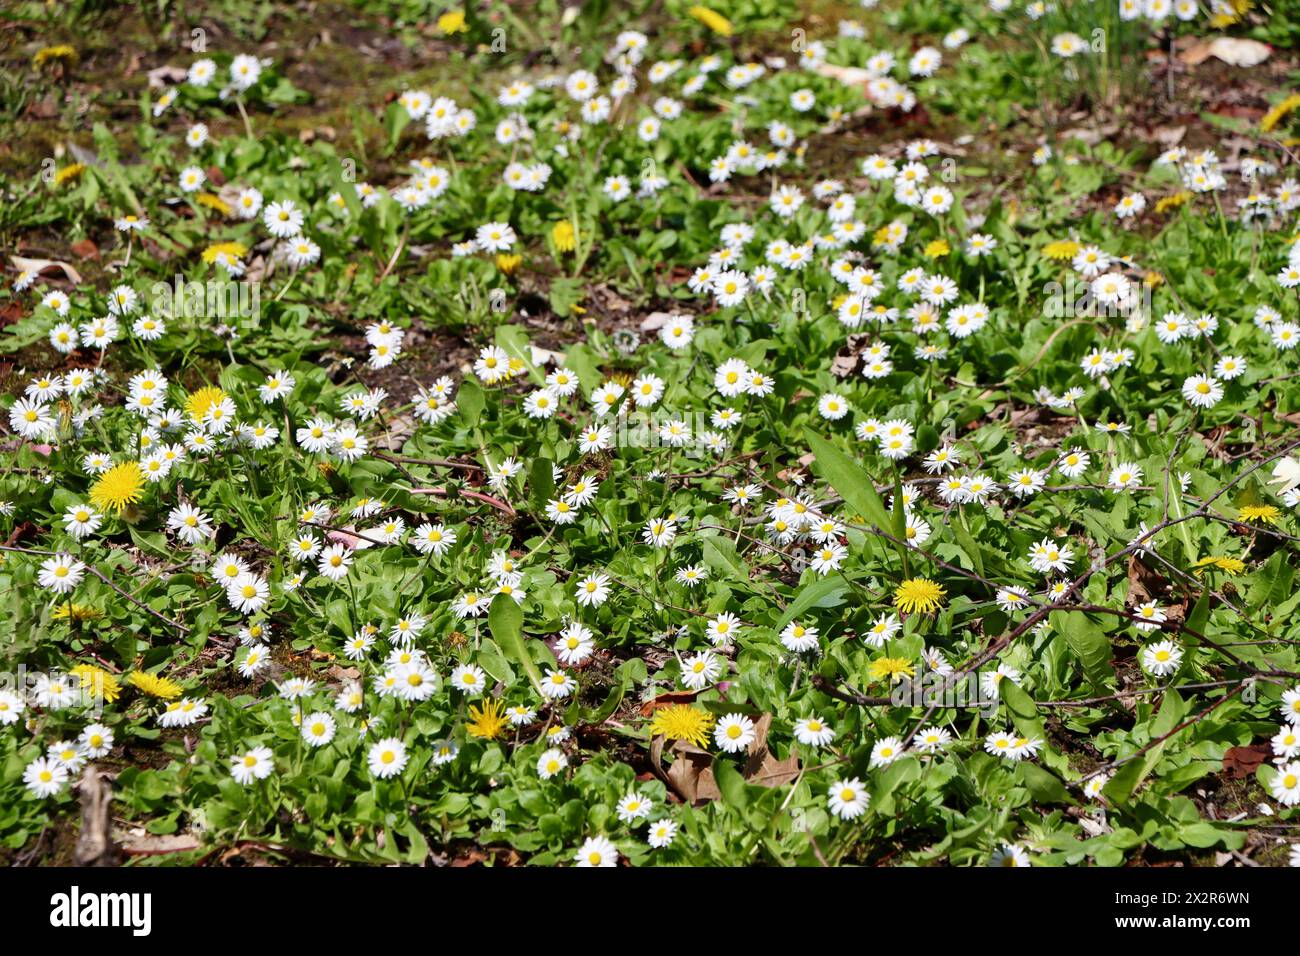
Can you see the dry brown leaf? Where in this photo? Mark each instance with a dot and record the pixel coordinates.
(45, 266)
(470, 857)
(258, 269)
(1092, 135)
(147, 844)
(762, 767)
(341, 674)
(1241, 762)
(349, 536)
(160, 76)
(1143, 583)
(761, 728)
(1169, 135)
(771, 772)
(540, 356)
(95, 846)
(657, 320)
(849, 356)
(1235, 51)
(848, 75)
(667, 699)
(400, 428)
(691, 773)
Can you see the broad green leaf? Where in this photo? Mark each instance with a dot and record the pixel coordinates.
(1130, 776)
(730, 782)
(471, 401)
(824, 592)
(1088, 642)
(1045, 787)
(506, 620)
(1024, 711)
(541, 483)
(720, 556)
(851, 480)
(347, 188)
(396, 119)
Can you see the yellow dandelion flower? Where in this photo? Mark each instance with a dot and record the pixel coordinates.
(62, 53)
(918, 596)
(711, 19)
(98, 681)
(1230, 566)
(217, 203)
(936, 248)
(452, 22)
(682, 722)
(1166, 203)
(1061, 249)
(235, 250)
(76, 612)
(118, 487)
(68, 173)
(1279, 113)
(564, 236)
(154, 686)
(895, 668)
(1153, 279)
(1224, 18)
(882, 236)
(1264, 514)
(197, 405)
(487, 721)
(508, 263)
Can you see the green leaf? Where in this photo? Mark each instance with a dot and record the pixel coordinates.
(514, 341)
(346, 188)
(565, 293)
(471, 401)
(1172, 711)
(968, 544)
(730, 783)
(823, 593)
(1205, 835)
(1121, 786)
(900, 772)
(396, 119)
(899, 525)
(720, 556)
(1044, 786)
(1130, 776)
(1088, 642)
(851, 480)
(506, 620)
(541, 483)
(1024, 711)
(1200, 614)
(582, 361)
(603, 713)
